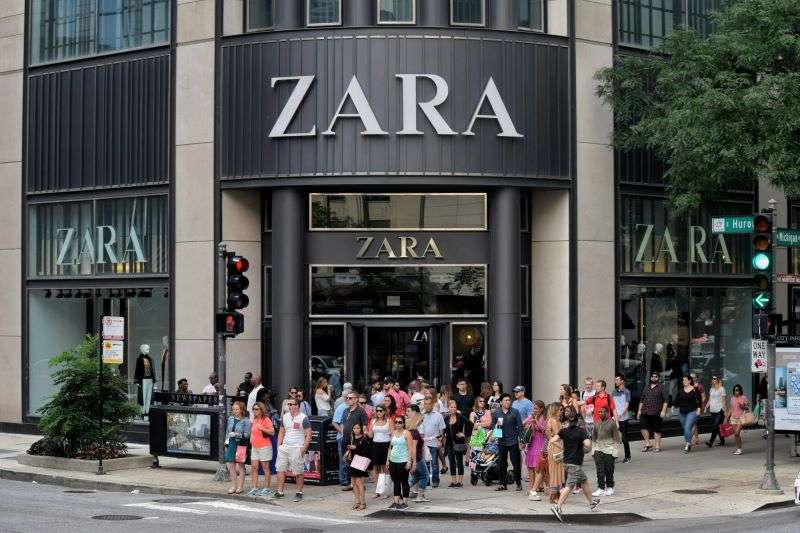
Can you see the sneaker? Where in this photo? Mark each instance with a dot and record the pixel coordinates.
(738, 451)
(298, 496)
(594, 504)
(626, 460)
(709, 444)
(402, 506)
(420, 499)
(253, 492)
(556, 510)
(609, 492)
(577, 491)
(279, 494)
(393, 507)
(264, 493)
(413, 494)
(599, 492)
(534, 496)
(519, 488)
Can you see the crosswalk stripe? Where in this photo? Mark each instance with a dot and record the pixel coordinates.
(219, 504)
(171, 508)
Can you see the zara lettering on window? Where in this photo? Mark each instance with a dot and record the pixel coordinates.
(354, 94)
(699, 247)
(98, 247)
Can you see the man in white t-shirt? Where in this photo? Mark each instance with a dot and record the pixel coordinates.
(294, 438)
(588, 409)
(251, 398)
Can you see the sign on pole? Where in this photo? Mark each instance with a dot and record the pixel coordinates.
(113, 352)
(113, 328)
(787, 389)
(787, 278)
(787, 237)
(758, 355)
(733, 224)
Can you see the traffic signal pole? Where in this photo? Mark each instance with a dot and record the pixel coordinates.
(222, 469)
(769, 483)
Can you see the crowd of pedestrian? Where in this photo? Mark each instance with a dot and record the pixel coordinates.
(404, 440)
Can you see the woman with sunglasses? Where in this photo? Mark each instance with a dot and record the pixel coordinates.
(380, 430)
(292, 396)
(261, 432)
(400, 462)
(739, 404)
(716, 406)
(360, 445)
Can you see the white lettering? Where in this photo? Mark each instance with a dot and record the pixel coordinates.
(385, 248)
(501, 115)
(292, 105)
(364, 112)
(433, 249)
(133, 239)
(696, 245)
(106, 245)
(66, 245)
(428, 108)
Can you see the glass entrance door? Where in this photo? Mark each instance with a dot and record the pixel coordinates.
(403, 352)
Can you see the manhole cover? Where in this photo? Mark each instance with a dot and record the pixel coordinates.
(301, 530)
(694, 491)
(177, 500)
(117, 517)
(79, 491)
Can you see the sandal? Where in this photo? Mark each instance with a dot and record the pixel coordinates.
(656, 450)
(361, 507)
(646, 449)
(231, 490)
(376, 496)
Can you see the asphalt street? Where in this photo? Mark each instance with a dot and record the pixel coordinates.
(28, 507)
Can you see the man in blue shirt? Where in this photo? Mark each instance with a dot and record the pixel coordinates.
(521, 403)
(339, 416)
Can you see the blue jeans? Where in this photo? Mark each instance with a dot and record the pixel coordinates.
(688, 421)
(344, 469)
(434, 465)
(420, 475)
(718, 419)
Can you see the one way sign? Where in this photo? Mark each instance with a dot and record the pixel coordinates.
(758, 355)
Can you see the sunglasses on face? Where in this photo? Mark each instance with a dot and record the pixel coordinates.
(291, 404)
(399, 421)
(378, 410)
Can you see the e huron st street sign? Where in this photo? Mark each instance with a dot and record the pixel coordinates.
(732, 224)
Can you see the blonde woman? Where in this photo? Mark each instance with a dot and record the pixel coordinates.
(322, 397)
(261, 432)
(555, 469)
(238, 432)
(380, 431)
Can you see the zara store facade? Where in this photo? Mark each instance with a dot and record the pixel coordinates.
(422, 187)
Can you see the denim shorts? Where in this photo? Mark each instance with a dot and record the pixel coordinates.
(575, 475)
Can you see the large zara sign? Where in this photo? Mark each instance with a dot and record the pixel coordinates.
(98, 247)
(354, 94)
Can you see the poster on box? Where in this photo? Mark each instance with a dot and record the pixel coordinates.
(787, 389)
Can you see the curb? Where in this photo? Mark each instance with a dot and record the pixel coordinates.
(597, 519)
(776, 505)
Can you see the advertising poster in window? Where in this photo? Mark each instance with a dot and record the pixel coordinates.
(189, 433)
(787, 389)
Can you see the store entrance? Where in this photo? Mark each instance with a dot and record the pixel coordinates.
(406, 353)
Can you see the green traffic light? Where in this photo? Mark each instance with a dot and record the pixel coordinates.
(761, 261)
(761, 300)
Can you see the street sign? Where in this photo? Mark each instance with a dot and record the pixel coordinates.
(112, 352)
(113, 328)
(761, 300)
(787, 237)
(758, 355)
(787, 278)
(733, 224)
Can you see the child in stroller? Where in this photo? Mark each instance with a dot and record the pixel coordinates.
(484, 463)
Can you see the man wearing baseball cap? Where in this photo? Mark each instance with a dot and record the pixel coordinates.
(521, 403)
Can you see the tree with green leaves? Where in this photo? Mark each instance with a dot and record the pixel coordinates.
(722, 112)
(70, 420)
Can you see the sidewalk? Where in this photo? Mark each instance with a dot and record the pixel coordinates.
(646, 488)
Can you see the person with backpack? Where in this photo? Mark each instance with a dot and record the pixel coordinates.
(535, 440)
(575, 440)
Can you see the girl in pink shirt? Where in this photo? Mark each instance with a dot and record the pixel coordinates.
(739, 404)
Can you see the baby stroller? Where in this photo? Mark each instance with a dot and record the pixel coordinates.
(484, 464)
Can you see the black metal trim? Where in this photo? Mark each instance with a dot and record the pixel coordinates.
(219, 13)
(573, 201)
(108, 58)
(23, 263)
(173, 48)
(106, 193)
(687, 280)
(395, 182)
(132, 188)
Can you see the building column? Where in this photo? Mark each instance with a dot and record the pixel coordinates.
(504, 287)
(12, 26)
(551, 292)
(288, 300)
(595, 213)
(195, 250)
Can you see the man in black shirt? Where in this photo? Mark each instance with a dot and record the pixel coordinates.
(508, 420)
(464, 400)
(574, 439)
(245, 387)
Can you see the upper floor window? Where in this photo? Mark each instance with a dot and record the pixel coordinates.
(468, 12)
(260, 14)
(647, 23)
(531, 14)
(396, 11)
(69, 29)
(323, 12)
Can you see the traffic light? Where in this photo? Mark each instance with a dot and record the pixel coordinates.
(767, 325)
(230, 323)
(237, 282)
(762, 261)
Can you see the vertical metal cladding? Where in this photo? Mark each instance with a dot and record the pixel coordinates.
(104, 124)
(530, 71)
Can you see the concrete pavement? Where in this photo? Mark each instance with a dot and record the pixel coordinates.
(704, 483)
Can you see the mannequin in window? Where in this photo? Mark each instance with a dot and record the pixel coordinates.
(164, 362)
(145, 377)
(656, 362)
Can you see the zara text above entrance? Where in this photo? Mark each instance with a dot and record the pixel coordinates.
(354, 93)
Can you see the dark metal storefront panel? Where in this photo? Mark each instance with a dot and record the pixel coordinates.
(99, 125)
(530, 73)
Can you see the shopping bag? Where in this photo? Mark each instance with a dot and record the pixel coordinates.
(497, 433)
(477, 439)
(241, 454)
(748, 419)
(380, 486)
(726, 430)
(359, 462)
